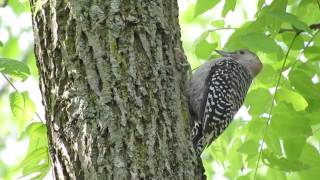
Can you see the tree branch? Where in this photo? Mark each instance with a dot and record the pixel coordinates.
(314, 26)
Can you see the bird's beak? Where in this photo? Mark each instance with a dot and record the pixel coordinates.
(223, 53)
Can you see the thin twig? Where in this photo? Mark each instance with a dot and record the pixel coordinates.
(224, 28)
(9, 81)
(11, 84)
(315, 26)
(304, 48)
(271, 108)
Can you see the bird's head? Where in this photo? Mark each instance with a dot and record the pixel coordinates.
(245, 57)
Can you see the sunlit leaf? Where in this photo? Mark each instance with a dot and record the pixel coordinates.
(204, 5)
(312, 53)
(14, 68)
(303, 84)
(298, 101)
(286, 122)
(11, 48)
(36, 161)
(293, 146)
(310, 174)
(282, 163)
(258, 100)
(268, 76)
(275, 174)
(249, 147)
(17, 105)
(22, 107)
(291, 19)
(272, 141)
(310, 155)
(37, 133)
(218, 23)
(19, 6)
(203, 48)
(229, 5)
(259, 42)
(298, 42)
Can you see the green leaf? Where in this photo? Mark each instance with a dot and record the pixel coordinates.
(203, 48)
(37, 133)
(268, 76)
(291, 19)
(229, 5)
(272, 141)
(259, 42)
(11, 48)
(259, 101)
(20, 6)
(288, 37)
(249, 147)
(297, 100)
(36, 161)
(282, 163)
(310, 174)
(22, 107)
(301, 81)
(34, 158)
(14, 68)
(203, 6)
(260, 4)
(275, 174)
(17, 104)
(218, 23)
(256, 126)
(286, 122)
(310, 155)
(293, 146)
(1, 44)
(278, 5)
(312, 53)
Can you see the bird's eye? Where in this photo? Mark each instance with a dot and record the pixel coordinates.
(241, 52)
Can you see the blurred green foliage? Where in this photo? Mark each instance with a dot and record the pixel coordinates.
(18, 119)
(284, 101)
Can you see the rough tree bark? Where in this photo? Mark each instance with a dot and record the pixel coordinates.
(112, 89)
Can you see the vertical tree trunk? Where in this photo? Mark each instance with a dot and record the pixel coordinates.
(112, 89)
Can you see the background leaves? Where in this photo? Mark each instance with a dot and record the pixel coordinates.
(292, 135)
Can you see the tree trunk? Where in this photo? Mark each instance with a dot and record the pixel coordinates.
(112, 88)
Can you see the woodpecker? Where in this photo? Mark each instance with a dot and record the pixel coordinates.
(216, 91)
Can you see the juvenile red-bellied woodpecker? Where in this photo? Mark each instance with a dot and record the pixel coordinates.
(216, 91)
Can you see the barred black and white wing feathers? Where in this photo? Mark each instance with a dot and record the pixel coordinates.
(225, 89)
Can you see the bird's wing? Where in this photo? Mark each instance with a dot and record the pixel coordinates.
(216, 104)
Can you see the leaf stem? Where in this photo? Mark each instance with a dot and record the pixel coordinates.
(307, 45)
(224, 28)
(271, 108)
